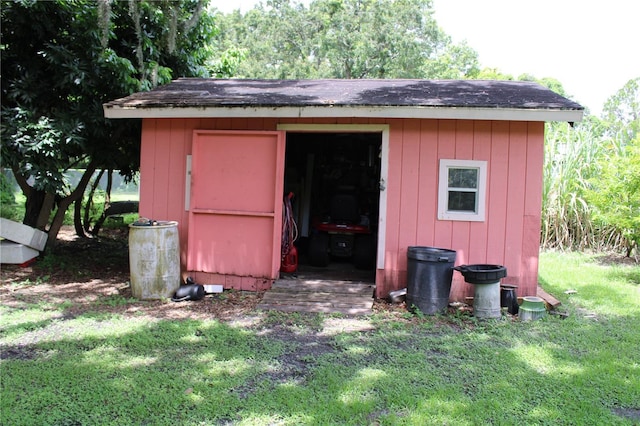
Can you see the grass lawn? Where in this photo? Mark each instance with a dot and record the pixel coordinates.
(392, 368)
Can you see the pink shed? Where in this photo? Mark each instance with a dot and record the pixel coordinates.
(218, 155)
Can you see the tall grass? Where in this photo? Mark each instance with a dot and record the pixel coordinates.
(572, 156)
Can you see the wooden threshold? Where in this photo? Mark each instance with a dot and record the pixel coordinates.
(327, 296)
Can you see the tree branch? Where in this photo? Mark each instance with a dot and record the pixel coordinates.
(22, 181)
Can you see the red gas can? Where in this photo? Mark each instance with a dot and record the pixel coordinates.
(290, 261)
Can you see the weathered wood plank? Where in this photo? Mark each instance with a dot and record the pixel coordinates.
(328, 294)
(326, 283)
(358, 304)
(301, 295)
(314, 296)
(316, 309)
(337, 304)
(298, 300)
(551, 301)
(323, 286)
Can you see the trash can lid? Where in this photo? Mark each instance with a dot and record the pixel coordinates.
(431, 254)
(141, 223)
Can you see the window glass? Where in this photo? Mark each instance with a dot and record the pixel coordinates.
(462, 201)
(463, 178)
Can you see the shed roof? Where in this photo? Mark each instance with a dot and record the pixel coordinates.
(461, 99)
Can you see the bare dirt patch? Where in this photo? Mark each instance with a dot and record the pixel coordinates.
(609, 259)
(92, 275)
(632, 414)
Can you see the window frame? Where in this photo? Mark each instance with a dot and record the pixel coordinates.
(443, 190)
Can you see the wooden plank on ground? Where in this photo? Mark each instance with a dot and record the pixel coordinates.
(338, 304)
(326, 296)
(317, 309)
(327, 286)
(551, 301)
(319, 297)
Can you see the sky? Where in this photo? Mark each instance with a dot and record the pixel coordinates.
(591, 47)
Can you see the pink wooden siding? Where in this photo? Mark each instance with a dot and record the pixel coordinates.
(163, 165)
(509, 235)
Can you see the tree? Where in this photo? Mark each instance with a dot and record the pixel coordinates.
(61, 60)
(621, 111)
(345, 39)
(614, 195)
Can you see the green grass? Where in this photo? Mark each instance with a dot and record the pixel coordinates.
(292, 369)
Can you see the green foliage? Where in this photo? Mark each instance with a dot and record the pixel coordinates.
(227, 64)
(566, 220)
(59, 70)
(615, 193)
(622, 112)
(493, 74)
(7, 190)
(344, 39)
(590, 193)
(12, 210)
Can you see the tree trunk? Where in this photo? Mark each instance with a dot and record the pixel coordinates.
(45, 210)
(35, 199)
(33, 207)
(77, 218)
(107, 191)
(89, 205)
(64, 204)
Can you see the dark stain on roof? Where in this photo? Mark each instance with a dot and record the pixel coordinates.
(215, 93)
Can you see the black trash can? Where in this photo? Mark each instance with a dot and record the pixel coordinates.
(429, 274)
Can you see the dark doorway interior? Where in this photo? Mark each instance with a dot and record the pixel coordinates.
(335, 178)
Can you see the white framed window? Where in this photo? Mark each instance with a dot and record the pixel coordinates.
(462, 188)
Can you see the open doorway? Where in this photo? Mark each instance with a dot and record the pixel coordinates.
(335, 177)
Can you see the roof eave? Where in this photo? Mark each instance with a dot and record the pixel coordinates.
(433, 112)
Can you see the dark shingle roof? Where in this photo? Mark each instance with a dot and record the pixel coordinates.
(440, 94)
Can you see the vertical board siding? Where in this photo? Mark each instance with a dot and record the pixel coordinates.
(446, 148)
(461, 230)
(497, 176)
(392, 279)
(147, 167)
(409, 181)
(516, 184)
(478, 231)
(509, 235)
(428, 194)
(161, 200)
(532, 207)
(464, 150)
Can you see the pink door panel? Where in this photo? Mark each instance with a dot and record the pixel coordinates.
(235, 216)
